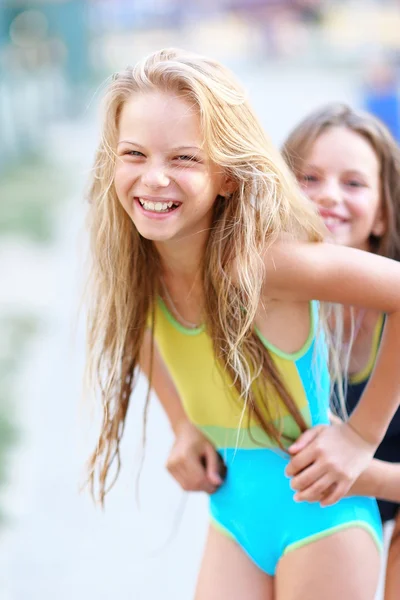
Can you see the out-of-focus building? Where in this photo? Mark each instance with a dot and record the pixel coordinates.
(52, 51)
(43, 68)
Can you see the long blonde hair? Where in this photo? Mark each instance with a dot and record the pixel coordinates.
(125, 270)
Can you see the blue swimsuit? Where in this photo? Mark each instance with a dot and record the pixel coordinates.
(255, 504)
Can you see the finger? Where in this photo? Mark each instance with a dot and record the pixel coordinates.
(308, 477)
(328, 492)
(301, 461)
(211, 488)
(337, 493)
(212, 466)
(306, 438)
(196, 476)
(315, 492)
(180, 479)
(190, 478)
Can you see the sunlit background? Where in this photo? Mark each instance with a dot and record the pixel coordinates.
(292, 55)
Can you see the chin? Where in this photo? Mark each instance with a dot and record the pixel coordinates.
(155, 236)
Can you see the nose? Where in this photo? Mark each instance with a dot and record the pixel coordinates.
(156, 176)
(328, 193)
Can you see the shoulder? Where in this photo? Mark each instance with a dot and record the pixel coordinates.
(312, 270)
(331, 273)
(288, 261)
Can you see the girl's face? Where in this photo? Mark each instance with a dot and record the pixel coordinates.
(164, 180)
(341, 174)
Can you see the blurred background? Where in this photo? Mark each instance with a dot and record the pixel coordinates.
(55, 55)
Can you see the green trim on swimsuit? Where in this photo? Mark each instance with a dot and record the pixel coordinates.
(254, 436)
(289, 356)
(364, 374)
(176, 324)
(319, 536)
(221, 529)
(300, 353)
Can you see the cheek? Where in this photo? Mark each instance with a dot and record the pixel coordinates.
(309, 191)
(198, 185)
(123, 181)
(364, 207)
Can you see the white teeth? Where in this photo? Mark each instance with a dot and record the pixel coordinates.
(333, 220)
(157, 206)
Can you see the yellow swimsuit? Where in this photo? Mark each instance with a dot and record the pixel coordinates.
(255, 504)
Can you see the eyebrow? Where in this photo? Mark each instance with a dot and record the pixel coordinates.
(175, 149)
(310, 166)
(357, 172)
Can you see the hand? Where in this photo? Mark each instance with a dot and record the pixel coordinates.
(326, 462)
(193, 460)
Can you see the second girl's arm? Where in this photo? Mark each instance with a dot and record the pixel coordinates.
(380, 479)
(330, 465)
(332, 273)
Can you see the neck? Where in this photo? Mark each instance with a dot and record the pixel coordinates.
(181, 260)
(181, 283)
(366, 246)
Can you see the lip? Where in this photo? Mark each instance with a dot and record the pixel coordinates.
(333, 221)
(330, 214)
(154, 215)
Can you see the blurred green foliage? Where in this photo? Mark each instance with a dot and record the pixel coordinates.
(31, 193)
(17, 332)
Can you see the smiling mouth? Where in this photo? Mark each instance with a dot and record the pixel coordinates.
(333, 221)
(158, 207)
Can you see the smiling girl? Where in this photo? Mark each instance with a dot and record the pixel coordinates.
(348, 164)
(208, 272)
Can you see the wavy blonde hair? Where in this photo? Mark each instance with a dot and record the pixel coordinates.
(267, 203)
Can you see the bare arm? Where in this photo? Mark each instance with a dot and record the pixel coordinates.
(193, 461)
(343, 275)
(380, 480)
(162, 384)
(331, 463)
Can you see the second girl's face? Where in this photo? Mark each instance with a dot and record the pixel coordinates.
(164, 179)
(341, 174)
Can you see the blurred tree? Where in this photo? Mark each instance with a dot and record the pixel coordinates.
(44, 69)
(40, 33)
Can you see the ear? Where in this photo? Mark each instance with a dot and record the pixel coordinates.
(228, 186)
(380, 223)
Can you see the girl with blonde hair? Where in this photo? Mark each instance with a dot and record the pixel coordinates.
(208, 272)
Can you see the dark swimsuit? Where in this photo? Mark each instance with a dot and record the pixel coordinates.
(389, 450)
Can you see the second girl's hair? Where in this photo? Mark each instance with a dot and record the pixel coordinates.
(302, 138)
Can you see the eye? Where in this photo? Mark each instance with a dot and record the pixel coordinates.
(187, 158)
(354, 183)
(309, 178)
(133, 153)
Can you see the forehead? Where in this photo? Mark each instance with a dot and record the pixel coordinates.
(160, 116)
(339, 147)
